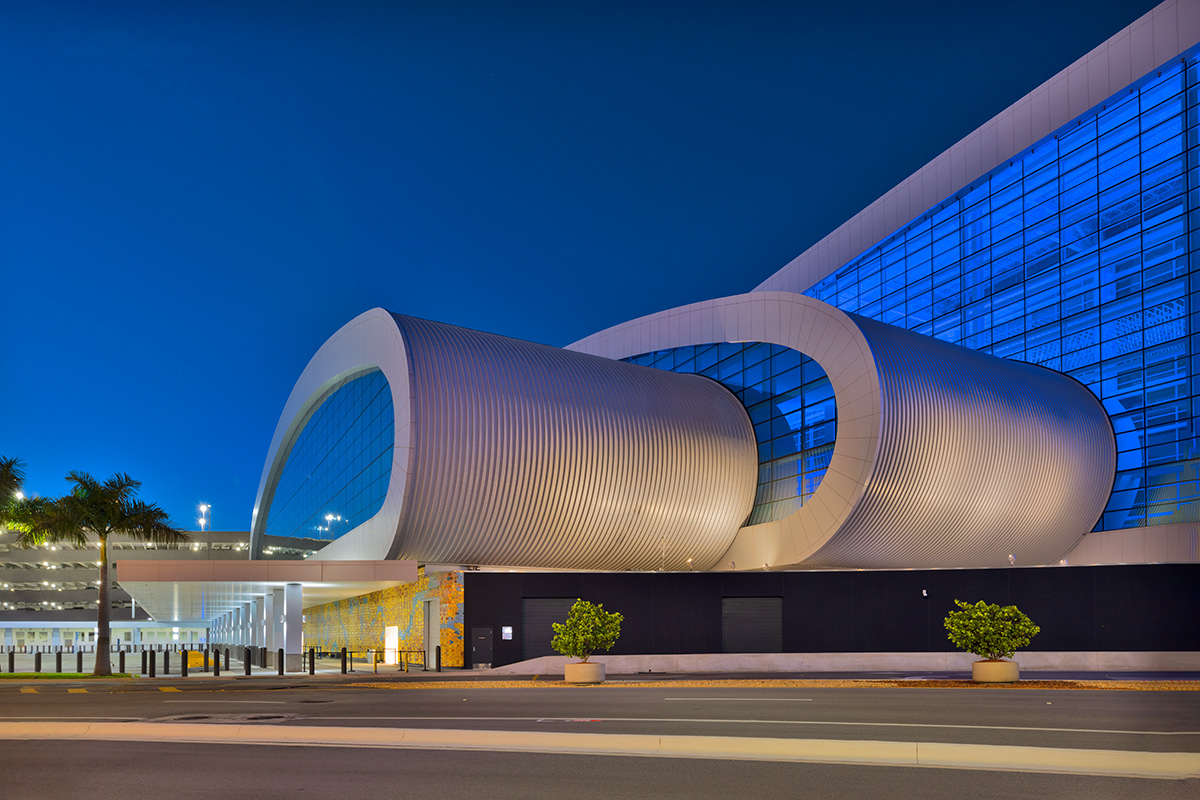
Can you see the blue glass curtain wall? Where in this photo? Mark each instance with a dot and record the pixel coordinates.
(1076, 256)
(790, 402)
(337, 473)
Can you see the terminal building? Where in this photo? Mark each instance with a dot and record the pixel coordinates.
(984, 385)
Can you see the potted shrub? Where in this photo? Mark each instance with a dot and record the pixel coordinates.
(993, 633)
(588, 628)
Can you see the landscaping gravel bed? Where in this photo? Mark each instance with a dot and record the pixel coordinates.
(794, 683)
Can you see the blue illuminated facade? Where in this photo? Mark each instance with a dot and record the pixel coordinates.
(1075, 256)
(340, 464)
(790, 402)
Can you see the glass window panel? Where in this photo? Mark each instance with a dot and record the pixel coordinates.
(318, 494)
(1112, 228)
(1118, 164)
(797, 420)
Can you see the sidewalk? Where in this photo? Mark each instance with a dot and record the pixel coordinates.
(24, 663)
(329, 668)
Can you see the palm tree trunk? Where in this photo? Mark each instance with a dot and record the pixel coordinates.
(103, 616)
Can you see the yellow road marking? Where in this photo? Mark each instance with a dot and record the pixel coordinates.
(168, 689)
(28, 690)
(76, 691)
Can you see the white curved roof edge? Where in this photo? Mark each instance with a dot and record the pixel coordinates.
(1163, 33)
(369, 341)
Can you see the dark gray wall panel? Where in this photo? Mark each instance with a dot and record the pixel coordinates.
(1140, 607)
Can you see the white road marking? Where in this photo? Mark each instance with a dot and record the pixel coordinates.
(748, 699)
(230, 702)
(791, 722)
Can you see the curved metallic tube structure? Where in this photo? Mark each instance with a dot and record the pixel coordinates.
(509, 453)
(944, 457)
(519, 454)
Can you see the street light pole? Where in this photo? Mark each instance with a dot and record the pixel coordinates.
(205, 521)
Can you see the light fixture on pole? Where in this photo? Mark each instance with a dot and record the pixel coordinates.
(205, 523)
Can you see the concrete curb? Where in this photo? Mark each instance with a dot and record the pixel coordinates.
(864, 662)
(1109, 763)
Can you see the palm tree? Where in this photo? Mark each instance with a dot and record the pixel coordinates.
(96, 509)
(12, 478)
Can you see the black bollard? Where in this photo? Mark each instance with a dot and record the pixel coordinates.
(153, 663)
(217, 665)
(312, 661)
(12, 660)
(226, 658)
(246, 659)
(58, 661)
(37, 661)
(279, 661)
(79, 661)
(120, 662)
(206, 659)
(343, 661)
(144, 654)
(167, 661)
(437, 658)
(183, 665)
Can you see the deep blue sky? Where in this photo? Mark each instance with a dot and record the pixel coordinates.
(196, 195)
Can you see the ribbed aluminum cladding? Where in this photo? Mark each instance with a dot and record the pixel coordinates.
(533, 456)
(979, 458)
(944, 457)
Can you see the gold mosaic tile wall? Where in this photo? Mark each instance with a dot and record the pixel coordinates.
(358, 622)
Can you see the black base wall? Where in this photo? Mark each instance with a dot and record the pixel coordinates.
(1128, 607)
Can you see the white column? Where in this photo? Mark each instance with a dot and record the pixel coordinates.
(269, 623)
(255, 632)
(277, 619)
(293, 627)
(260, 621)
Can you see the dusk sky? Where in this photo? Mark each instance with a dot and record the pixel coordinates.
(195, 196)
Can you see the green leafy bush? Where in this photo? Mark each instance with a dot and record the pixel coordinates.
(988, 630)
(588, 628)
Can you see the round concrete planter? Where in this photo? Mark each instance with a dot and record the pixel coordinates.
(995, 672)
(586, 672)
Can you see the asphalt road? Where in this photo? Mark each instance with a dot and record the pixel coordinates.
(116, 771)
(1112, 720)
